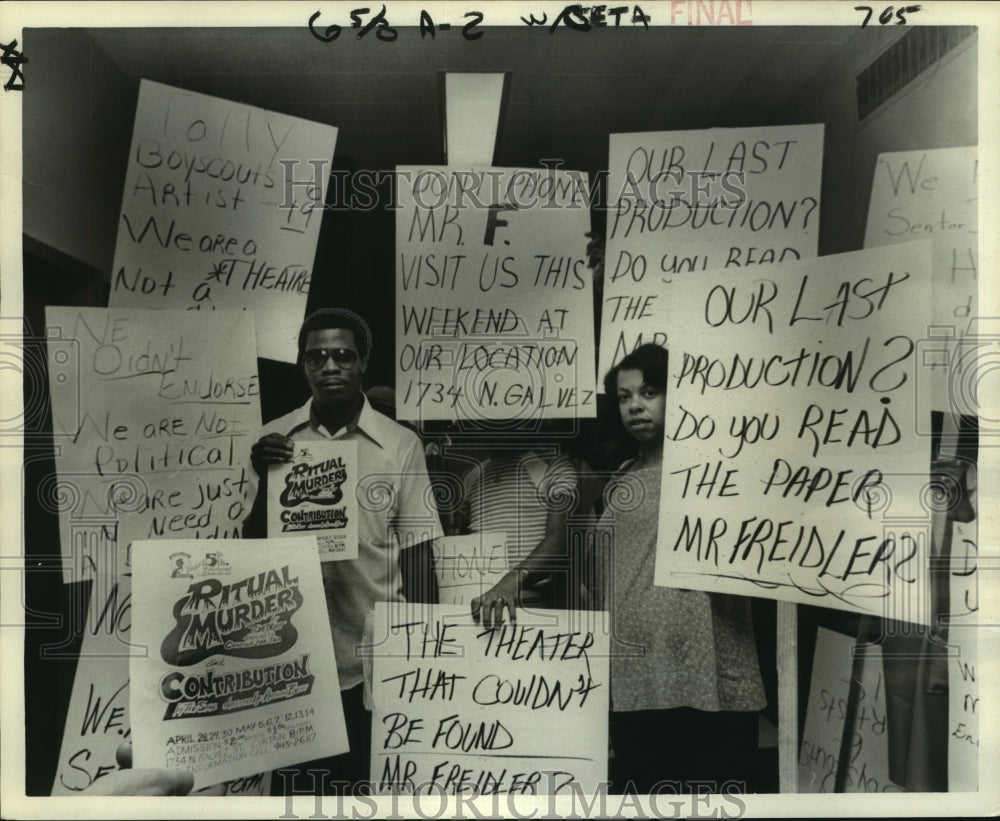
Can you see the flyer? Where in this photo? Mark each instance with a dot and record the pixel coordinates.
(316, 494)
(240, 674)
(97, 723)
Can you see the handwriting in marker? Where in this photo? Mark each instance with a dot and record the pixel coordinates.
(13, 59)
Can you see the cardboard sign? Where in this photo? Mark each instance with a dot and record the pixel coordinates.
(462, 710)
(933, 195)
(686, 202)
(795, 468)
(964, 670)
(215, 213)
(241, 674)
(98, 718)
(316, 495)
(819, 754)
(151, 411)
(468, 566)
(97, 721)
(494, 299)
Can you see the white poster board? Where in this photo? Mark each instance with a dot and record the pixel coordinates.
(795, 469)
(494, 299)
(207, 218)
(933, 195)
(151, 411)
(964, 669)
(316, 494)
(240, 675)
(469, 566)
(461, 710)
(685, 202)
(98, 719)
(868, 768)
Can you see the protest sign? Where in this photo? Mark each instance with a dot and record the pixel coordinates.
(793, 467)
(207, 218)
(933, 195)
(468, 566)
(494, 299)
(151, 411)
(98, 720)
(315, 494)
(826, 712)
(241, 674)
(685, 202)
(964, 671)
(463, 710)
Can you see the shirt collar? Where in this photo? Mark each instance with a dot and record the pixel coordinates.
(367, 421)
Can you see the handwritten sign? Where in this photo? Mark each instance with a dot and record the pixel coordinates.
(316, 495)
(98, 718)
(819, 754)
(207, 218)
(933, 195)
(964, 670)
(97, 721)
(796, 469)
(468, 711)
(241, 674)
(685, 202)
(151, 410)
(494, 299)
(468, 566)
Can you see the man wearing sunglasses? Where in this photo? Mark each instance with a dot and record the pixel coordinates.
(395, 525)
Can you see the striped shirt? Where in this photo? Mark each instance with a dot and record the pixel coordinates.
(515, 494)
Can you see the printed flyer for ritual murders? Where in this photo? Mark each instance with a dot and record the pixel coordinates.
(316, 494)
(240, 674)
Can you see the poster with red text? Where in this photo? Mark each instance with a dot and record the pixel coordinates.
(240, 674)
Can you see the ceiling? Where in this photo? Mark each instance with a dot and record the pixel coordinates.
(566, 91)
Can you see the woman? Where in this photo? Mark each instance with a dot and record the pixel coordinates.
(685, 682)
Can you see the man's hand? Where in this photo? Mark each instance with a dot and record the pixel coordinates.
(272, 449)
(506, 593)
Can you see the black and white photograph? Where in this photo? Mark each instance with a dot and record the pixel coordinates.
(626, 372)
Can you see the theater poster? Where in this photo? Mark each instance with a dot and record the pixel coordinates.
(239, 675)
(314, 495)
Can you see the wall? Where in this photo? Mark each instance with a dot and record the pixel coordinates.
(76, 136)
(936, 110)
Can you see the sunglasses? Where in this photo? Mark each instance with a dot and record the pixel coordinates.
(342, 357)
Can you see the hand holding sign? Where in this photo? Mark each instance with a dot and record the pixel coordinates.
(127, 781)
(505, 594)
(315, 492)
(272, 449)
